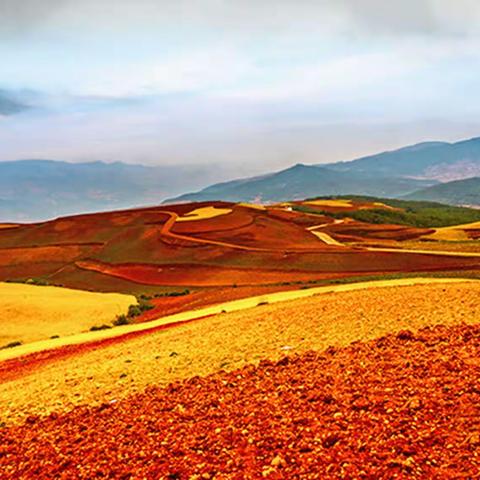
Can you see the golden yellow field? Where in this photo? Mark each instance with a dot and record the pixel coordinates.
(231, 306)
(455, 233)
(30, 313)
(231, 340)
(326, 238)
(330, 203)
(255, 206)
(204, 213)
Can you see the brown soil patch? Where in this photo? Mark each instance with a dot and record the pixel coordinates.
(401, 406)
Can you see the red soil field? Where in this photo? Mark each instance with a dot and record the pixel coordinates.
(365, 231)
(131, 245)
(199, 275)
(474, 234)
(63, 253)
(169, 305)
(266, 232)
(402, 406)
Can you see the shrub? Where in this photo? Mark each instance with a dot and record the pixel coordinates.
(12, 344)
(121, 320)
(96, 328)
(134, 311)
(172, 294)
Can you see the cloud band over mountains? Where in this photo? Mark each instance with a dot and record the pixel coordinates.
(282, 81)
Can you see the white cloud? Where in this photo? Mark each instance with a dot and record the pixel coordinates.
(233, 80)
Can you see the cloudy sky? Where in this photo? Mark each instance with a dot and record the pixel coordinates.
(262, 83)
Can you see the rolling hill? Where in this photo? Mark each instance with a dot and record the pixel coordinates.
(302, 181)
(458, 192)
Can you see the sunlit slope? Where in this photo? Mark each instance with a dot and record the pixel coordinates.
(404, 406)
(30, 313)
(117, 367)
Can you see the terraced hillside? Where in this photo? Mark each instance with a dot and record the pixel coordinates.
(162, 250)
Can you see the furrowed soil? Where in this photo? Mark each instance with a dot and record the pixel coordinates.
(60, 379)
(402, 406)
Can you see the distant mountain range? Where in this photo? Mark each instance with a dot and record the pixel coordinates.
(43, 189)
(459, 192)
(430, 160)
(389, 174)
(302, 181)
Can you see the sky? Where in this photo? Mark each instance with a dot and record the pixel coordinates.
(257, 84)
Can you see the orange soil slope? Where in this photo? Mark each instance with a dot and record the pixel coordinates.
(199, 275)
(402, 406)
(216, 249)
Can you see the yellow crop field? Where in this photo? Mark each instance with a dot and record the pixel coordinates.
(203, 213)
(455, 233)
(255, 206)
(30, 313)
(330, 203)
(340, 315)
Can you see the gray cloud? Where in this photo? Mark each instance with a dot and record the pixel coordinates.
(10, 105)
(18, 17)
(245, 16)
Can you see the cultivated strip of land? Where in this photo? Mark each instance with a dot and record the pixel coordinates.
(231, 306)
(60, 379)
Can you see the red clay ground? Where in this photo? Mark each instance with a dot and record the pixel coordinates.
(200, 275)
(148, 251)
(402, 406)
(355, 231)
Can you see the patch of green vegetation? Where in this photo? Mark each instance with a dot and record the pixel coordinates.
(121, 320)
(144, 297)
(11, 345)
(143, 305)
(410, 213)
(96, 328)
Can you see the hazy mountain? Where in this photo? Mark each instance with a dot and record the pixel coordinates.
(41, 189)
(431, 160)
(390, 174)
(302, 181)
(459, 192)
